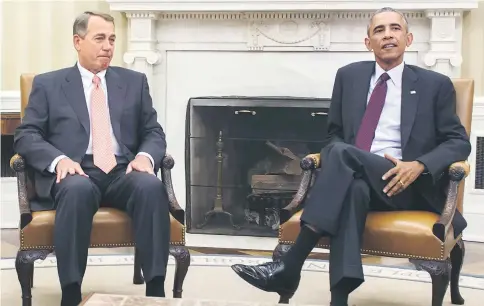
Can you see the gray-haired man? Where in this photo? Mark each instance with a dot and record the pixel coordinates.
(91, 134)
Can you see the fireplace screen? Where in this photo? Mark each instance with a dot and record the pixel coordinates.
(242, 160)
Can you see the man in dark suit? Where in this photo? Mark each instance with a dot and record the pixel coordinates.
(392, 133)
(91, 135)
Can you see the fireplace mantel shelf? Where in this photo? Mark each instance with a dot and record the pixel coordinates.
(284, 5)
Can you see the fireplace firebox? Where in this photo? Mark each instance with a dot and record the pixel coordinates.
(242, 160)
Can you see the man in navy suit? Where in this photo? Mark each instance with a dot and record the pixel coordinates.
(91, 135)
(393, 131)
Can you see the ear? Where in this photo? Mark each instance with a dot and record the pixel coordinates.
(409, 39)
(76, 39)
(368, 44)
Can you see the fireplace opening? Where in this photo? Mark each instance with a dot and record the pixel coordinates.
(242, 160)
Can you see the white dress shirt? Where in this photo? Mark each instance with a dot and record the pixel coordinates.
(387, 135)
(87, 77)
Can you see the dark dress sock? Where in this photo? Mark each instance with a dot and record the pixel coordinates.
(156, 287)
(340, 293)
(297, 254)
(71, 295)
(339, 297)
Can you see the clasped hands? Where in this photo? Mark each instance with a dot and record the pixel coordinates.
(403, 174)
(68, 166)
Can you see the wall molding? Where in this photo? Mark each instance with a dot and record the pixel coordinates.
(478, 109)
(286, 15)
(283, 5)
(10, 101)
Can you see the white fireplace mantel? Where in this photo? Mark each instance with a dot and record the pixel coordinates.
(315, 21)
(284, 5)
(191, 48)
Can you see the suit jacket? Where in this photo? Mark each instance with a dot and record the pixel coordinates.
(56, 122)
(431, 132)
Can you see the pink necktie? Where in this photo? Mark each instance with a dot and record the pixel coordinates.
(366, 133)
(102, 144)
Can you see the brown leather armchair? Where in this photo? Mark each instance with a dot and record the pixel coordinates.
(111, 227)
(426, 238)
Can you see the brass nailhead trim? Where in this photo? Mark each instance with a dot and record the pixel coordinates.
(373, 252)
(24, 247)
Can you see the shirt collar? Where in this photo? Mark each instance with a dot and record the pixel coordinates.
(395, 73)
(88, 75)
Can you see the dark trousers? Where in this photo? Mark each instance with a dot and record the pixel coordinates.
(348, 186)
(141, 195)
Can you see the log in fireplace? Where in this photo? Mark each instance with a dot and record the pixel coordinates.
(242, 160)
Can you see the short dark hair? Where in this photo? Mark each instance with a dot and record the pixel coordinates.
(80, 24)
(383, 10)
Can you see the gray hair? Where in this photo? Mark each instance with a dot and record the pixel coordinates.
(383, 10)
(81, 22)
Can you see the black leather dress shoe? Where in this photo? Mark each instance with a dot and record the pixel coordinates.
(269, 277)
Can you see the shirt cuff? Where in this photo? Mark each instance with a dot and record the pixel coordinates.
(149, 156)
(54, 163)
(426, 170)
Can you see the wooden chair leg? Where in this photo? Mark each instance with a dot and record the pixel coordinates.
(24, 264)
(279, 251)
(182, 259)
(440, 273)
(138, 278)
(457, 258)
(31, 275)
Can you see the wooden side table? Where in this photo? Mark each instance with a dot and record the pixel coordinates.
(102, 299)
(9, 122)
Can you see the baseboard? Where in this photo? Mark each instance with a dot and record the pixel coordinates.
(9, 216)
(473, 238)
(10, 101)
(478, 110)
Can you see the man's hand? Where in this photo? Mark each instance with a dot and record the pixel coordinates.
(142, 164)
(68, 166)
(404, 174)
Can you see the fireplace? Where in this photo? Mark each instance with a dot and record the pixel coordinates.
(242, 159)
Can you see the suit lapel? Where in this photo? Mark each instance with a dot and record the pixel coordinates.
(74, 93)
(116, 99)
(410, 96)
(361, 86)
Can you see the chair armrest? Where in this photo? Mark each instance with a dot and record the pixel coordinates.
(177, 212)
(311, 162)
(308, 164)
(457, 172)
(17, 163)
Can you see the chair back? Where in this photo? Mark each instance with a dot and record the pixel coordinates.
(26, 80)
(464, 90)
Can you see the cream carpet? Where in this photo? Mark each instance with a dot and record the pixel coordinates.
(210, 277)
